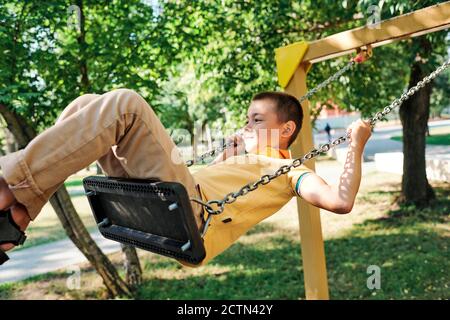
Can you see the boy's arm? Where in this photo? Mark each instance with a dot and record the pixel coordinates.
(339, 198)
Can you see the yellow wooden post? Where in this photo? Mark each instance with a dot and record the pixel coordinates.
(313, 253)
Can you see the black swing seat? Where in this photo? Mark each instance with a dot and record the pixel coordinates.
(149, 214)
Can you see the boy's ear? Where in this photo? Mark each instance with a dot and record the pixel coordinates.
(288, 129)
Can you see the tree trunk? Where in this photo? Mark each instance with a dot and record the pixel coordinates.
(81, 39)
(414, 114)
(10, 142)
(66, 213)
(191, 129)
(98, 169)
(86, 88)
(79, 235)
(206, 131)
(132, 267)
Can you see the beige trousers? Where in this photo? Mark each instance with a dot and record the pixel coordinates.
(118, 129)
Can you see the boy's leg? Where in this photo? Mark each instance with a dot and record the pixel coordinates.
(109, 163)
(120, 119)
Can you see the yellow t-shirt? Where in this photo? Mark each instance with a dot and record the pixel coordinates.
(217, 180)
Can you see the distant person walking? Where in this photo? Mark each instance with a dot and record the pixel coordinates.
(328, 131)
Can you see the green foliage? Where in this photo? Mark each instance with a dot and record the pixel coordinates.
(238, 40)
(227, 46)
(121, 45)
(184, 100)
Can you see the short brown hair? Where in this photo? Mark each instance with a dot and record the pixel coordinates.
(288, 108)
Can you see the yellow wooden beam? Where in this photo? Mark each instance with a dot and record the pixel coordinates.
(313, 254)
(413, 24)
(288, 59)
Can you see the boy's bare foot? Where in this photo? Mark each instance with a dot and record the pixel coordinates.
(18, 211)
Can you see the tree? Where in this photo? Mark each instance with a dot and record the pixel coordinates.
(423, 54)
(414, 114)
(186, 102)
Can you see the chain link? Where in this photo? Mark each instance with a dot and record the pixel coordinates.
(325, 83)
(214, 207)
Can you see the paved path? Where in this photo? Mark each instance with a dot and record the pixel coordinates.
(48, 257)
(381, 142)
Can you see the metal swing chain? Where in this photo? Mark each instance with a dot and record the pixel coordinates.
(361, 57)
(265, 179)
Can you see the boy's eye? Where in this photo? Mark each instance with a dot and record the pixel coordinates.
(258, 120)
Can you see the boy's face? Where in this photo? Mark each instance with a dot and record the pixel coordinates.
(263, 128)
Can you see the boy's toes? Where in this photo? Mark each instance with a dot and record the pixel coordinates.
(6, 246)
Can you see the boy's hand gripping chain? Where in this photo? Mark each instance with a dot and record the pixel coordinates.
(9, 233)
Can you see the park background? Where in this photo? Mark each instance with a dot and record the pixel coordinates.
(198, 63)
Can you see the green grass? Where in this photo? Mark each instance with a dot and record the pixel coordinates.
(411, 251)
(74, 183)
(438, 136)
(410, 245)
(439, 139)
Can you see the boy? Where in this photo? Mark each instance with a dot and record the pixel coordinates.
(120, 131)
